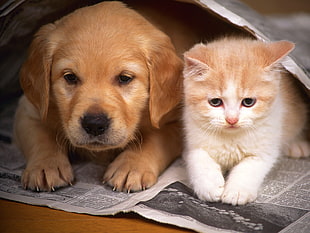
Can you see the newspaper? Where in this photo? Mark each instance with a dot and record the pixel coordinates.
(87, 195)
(284, 201)
(283, 204)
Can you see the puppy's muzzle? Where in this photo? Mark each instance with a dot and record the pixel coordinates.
(95, 124)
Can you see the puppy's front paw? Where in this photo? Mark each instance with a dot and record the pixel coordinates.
(237, 194)
(129, 172)
(210, 186)
(47, 174)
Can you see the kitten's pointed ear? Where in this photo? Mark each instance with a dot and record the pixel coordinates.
(194, 66)
(278, 50)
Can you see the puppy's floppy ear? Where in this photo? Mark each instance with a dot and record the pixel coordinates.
(166, 80)
(35, 72)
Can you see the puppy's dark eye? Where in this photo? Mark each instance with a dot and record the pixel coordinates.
(71, 78)
(124, 78)
(248, 102)
(215, 102)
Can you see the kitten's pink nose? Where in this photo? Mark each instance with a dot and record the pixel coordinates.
(232, 120)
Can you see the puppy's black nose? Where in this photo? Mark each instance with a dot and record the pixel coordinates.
(95, 124)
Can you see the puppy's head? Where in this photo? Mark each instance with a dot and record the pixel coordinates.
(106, 69)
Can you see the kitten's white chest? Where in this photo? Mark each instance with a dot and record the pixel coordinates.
(226, 153)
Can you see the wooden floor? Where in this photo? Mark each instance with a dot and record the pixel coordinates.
(21, 218)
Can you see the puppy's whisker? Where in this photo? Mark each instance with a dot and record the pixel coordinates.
(92, 154)
(63, 142)
(136, 141)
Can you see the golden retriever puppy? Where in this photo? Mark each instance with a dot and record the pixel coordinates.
(101, 81)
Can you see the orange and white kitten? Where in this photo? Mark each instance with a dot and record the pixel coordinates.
(241, 112)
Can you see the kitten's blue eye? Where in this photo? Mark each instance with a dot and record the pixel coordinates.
(216, 102)
(248, 102)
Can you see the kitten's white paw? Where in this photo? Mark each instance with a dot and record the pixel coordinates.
(238, 195)
(211, 187)
(299, 149)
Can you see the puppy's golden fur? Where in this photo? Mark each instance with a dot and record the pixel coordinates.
(100, 81)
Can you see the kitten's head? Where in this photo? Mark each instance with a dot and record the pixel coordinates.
(231, 84)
